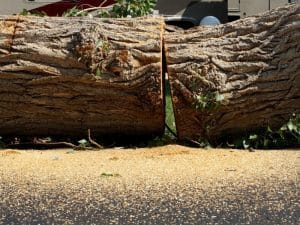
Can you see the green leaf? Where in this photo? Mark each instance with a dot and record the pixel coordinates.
(253, 137)
(269, 130)
(219, 97)
(83, 142)
(291, 126)
(246, 145)
(284, 127)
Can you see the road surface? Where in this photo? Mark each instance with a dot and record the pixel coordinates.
(164, 185)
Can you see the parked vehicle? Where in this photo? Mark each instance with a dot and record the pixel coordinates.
(190, 12)
(49, 7)
(185, 13)
(243, 8)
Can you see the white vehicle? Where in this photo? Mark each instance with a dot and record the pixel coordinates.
(243, 8)
(190, 12)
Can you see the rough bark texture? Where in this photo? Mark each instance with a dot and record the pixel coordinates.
(63, 76)
(235, 77)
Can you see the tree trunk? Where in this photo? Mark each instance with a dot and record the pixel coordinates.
(63, 76)
(237, 77)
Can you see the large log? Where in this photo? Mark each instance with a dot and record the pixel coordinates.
(63, 76)
(235, 78)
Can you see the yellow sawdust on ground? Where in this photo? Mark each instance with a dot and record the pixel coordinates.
(10, 152)
(167, 164)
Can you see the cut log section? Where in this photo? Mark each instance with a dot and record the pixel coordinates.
(63, 76)
(235, 78)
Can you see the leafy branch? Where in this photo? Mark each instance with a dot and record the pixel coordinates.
(122, 8)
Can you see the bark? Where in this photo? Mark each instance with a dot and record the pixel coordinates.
(63, 76)
(237, 77)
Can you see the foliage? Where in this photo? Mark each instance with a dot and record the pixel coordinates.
(122, 8)
(209, 101)
(93, 53)
(288, 135)
(26, 12)
(75, 12)
(83, 143)
(133, 8)
(100, 52)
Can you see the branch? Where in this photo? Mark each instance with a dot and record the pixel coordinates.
(92, 141)
(100, 7)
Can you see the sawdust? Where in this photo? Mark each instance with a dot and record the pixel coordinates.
(10, 152)
(171, 184)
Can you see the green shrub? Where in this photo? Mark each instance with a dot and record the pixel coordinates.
(288, 135)
(133, 8)
(122, 8)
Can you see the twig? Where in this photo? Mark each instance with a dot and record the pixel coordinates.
(102, 3)
(95, 8)
(41, 145)
(198, 144)
(101, 7)
(92, 141)
(68, 144)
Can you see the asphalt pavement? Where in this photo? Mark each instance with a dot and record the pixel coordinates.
(166, 185)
